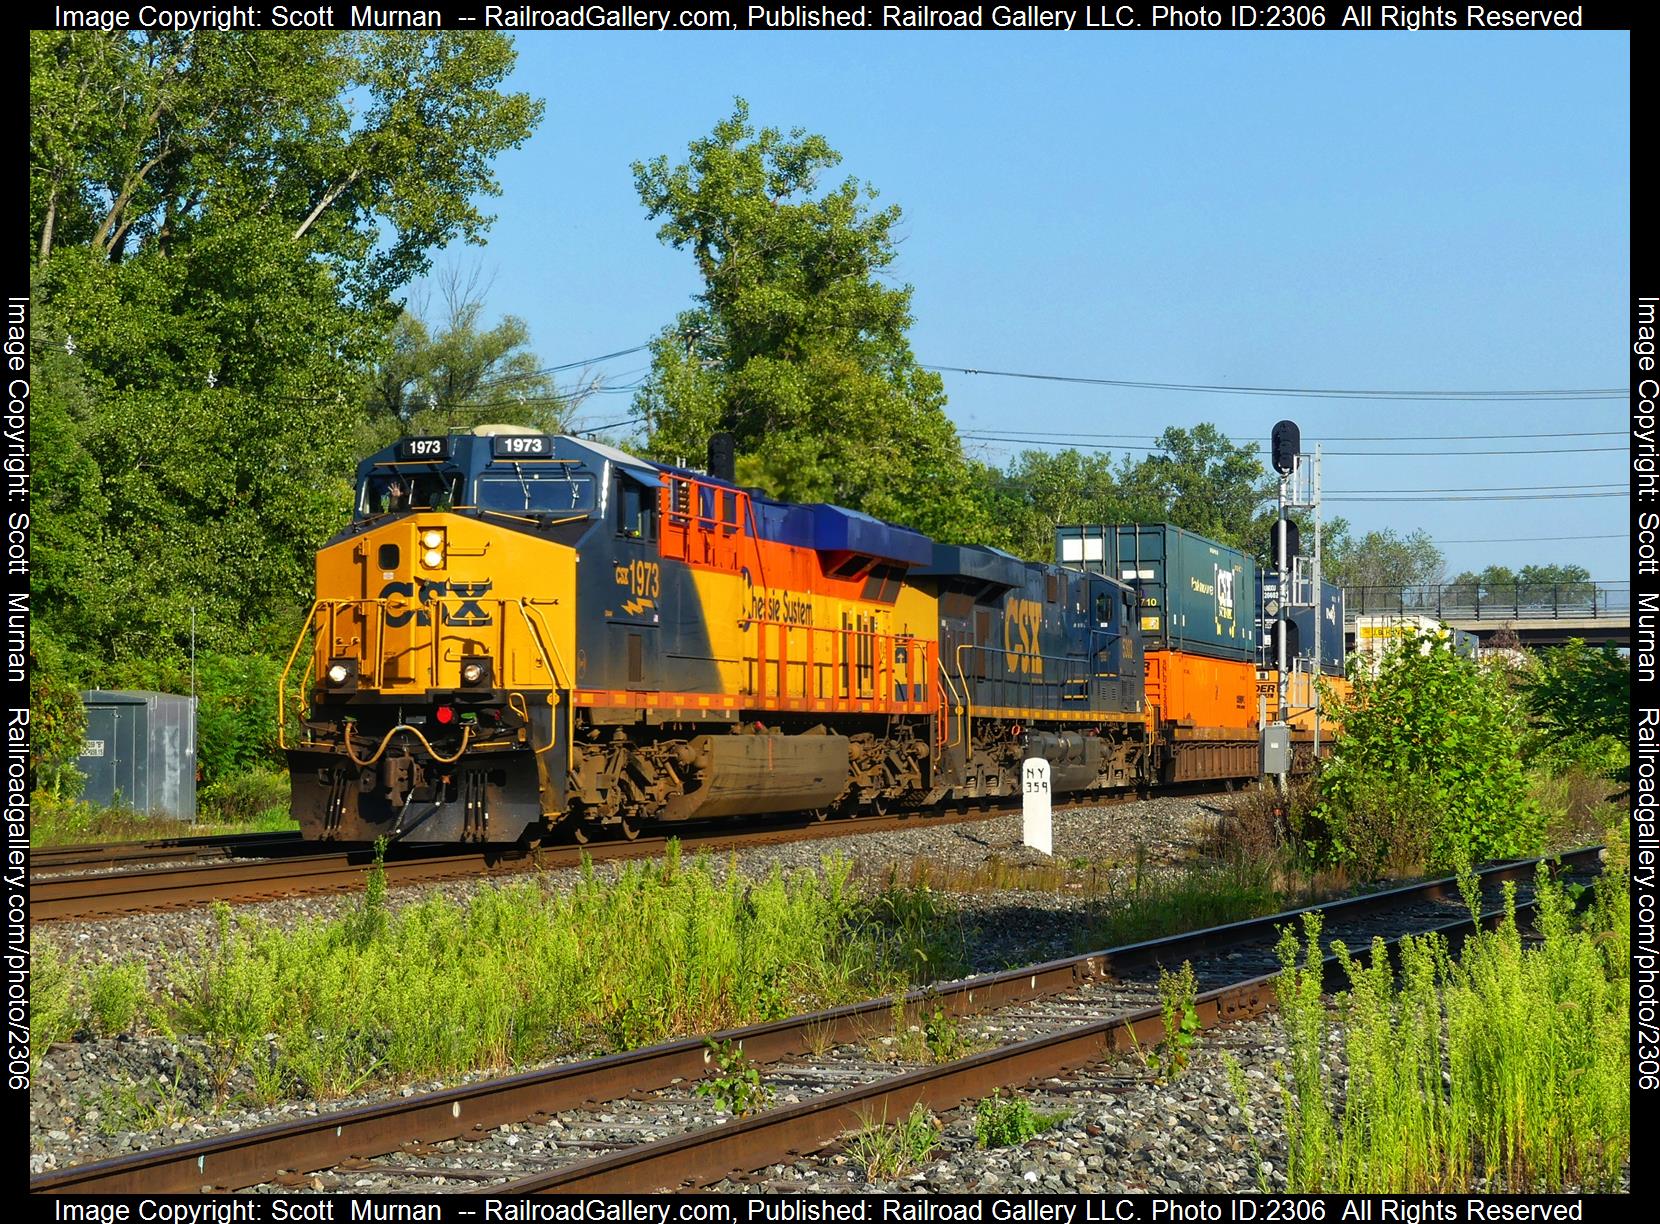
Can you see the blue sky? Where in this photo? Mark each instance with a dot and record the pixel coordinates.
(1394, 211)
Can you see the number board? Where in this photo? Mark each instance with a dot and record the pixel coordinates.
(521, 446)
(437, 449)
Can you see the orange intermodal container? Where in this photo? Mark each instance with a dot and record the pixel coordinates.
(1203, 693)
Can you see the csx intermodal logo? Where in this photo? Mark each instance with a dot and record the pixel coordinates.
(469, 612)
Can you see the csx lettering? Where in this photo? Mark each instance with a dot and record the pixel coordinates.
(469, 613)
(644, 579)
(1224, 593)
(1022, 619)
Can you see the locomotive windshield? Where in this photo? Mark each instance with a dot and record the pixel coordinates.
(535, 490)
(389, 491)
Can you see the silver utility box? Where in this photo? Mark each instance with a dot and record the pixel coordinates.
(140, 752)
(1276, 748)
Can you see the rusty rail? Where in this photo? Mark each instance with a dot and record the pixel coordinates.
(235, 1161)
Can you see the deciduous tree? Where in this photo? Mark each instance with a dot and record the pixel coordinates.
(795, 343)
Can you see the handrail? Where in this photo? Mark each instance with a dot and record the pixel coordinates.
(555, 674)
(282, 680)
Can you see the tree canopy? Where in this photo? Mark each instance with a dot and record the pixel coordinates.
(1378, 564)
(795, 344)
(218, 222)
(457, 374)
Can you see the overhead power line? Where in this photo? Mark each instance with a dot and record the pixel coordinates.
(1497, 397)
(1105, 446)
(1483, 497)
(1617, 535)
(1481, 489)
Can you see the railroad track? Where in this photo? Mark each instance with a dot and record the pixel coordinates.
(114, 854)
(1081, 1009)
(112, 894)
(293, 872)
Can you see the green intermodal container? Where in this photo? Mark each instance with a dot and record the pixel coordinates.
(1196, 595)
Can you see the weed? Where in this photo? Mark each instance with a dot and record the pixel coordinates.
(134, 1106)
(1177, 992)
(1001, 1121)
(1153, 904)
(115, 996)
(1507, 1068)
(944, 1037)
(1242, 1098)
(821, 1038)
(52, 1014)
(256, 803)
(886, 1152)
(517, 974)
(735, 1084)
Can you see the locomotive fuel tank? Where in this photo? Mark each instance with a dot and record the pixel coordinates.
(746, 775)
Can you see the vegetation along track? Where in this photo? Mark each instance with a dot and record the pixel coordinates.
(295, 873)
(1082, 1008)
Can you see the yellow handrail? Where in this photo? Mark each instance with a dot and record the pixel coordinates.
(282, 680)
(556, 674)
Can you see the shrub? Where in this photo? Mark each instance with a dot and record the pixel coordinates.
(1579, 701)
(115, 996)
(1428, 765)
(57, 719)
(259, 799)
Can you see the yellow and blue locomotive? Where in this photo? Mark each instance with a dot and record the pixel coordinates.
(520, 632)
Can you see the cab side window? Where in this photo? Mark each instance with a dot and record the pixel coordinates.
(636, 510)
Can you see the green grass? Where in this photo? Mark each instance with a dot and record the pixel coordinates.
(1505, 1068)
(1153, 904)
(517, 974)
(252, 803)
(886, 1152)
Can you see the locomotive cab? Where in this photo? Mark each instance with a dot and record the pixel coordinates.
(434, 696)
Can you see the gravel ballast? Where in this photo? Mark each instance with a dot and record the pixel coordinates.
(96, 1098)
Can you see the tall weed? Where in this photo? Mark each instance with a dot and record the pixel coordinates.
(1505, 1068)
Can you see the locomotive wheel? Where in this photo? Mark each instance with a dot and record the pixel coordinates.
(631, 828)
(820, 814)
(581, 833)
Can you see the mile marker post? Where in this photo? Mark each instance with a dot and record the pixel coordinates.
(1037, 826)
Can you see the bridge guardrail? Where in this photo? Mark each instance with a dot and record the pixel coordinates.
(1497, 601)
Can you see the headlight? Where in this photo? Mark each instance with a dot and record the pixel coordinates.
(432, 558)
(472, 673)
(432, 539)
(475, 673)
(341, 673)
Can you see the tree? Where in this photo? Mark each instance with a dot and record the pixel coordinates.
(1579, 699)
(1553, 586)
(218, 224)
(1428, 765)
(1379, 569)
(370, 149)
(459, 376)
(1202, 481)
(795, 345)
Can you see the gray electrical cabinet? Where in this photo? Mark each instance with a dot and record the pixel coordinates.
(140, 752)
(1276, 748)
